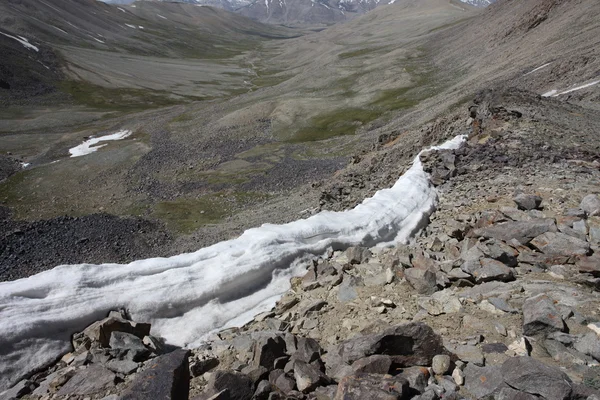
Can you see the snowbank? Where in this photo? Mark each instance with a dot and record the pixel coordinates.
(91, 145)
(188, 295)
(22, 40)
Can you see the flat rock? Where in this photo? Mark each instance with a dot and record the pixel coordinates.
(468, 353)
(130, 344)
(522, 231)
(531, 376)
(589, 344)
(541, 316)
(527, 201)
(423, 280)
(164, 377)
(101, 331)
(482, 381)
(559, 244)
(589, 265)
(375, 364)
(410, 344)
(492, 270)
(357, 254)
(307, 350)
(373, 387)
(591, 205)
(90, 380)
(308, 377)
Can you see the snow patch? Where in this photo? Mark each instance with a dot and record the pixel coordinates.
(187, 296)
(160, 16)
(537, 69)
(556, 93)
(90, 145)
(121, 9)
(131, 26)
(21, 40)
(57, 28)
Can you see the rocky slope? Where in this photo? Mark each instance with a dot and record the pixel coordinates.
(496, 297)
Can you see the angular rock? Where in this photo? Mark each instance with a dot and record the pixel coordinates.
(101, 331)
(199, 367)
(541, 316)
(91, 380)
(417, 378)
(502, 252)
(492, 270)
(124, 367)
(591, 205)
(522, 231)
(267, 350)
(468, 353)
(440, 364)
(559, 244)
(589, 344)
(357, 254)
(375, 364)
(423, 280)
(527, 201)
(129, 344)
(347, 291)
(482, 381)
(589, 265)
(531, 376)
(262, 390)
(308, 377)
(20, 389)
(442, 302)
(307, 350)
(256, 374)
(164, 377)
(410, 344)
(285, 383)
(373, 387)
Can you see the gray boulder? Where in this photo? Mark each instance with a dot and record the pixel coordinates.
(492, 270)
(233, 385)
(129, 345)
(440, 364)
(375, 364)
(531, 376)
(267, 350)
(357, 254)
(423, 280)
(308, 377)
(307, 350)
(410, 344)
(373, 387)
(482, 381)
(522, 231)
(559, 244)
(101, 331)
(591, 205)
(93, 379)
(165, 377)
(540, 316)
(527, 201)
(589, 344)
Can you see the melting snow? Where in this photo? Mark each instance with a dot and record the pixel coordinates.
(21, 40)
(131, 26)
(187, 296)
(141, 27)
(121, 9)
(556, 93)
(160, 16)
(537, 69)
(57, 28)
(90, 145)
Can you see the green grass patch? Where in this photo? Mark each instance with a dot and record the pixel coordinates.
(187, 215)
(337, 123)
(185, 117)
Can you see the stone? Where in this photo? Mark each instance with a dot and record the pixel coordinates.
(347, 291)
(482, 381)
(541, 316)
(522, 231)
(267, 350)
(102, 330)
(372, 387)
(262, 390)
(357, 254)
(490, 348)
(502, 252)
(308, 377)
(589, 344)
(124, 367)
(440, 364)
(130, 345)
(492, 270)
(591, 205)
(307, 350)
(589, 265)
(527, 201)
(502, 305)
(410, 344)
(90, 380)
(286, 302)
(256, 374)
(459, 376)
(153, 344)
(200, 366)
(424, 281)
(417, 377)
(229, 385)
(442, 302)
(285, 383)
(529, 375)
(375, 364)
(468, 353)
(164, 377)
(313, 306)
(19, 390)
(559, 244)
